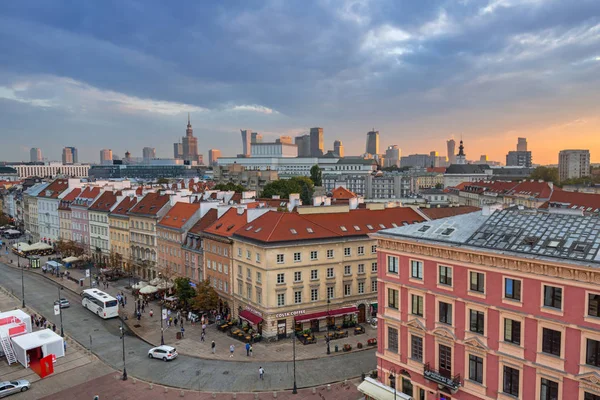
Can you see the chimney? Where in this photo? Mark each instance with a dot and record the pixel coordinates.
(327, 201)
(353, 203)
(240, 210)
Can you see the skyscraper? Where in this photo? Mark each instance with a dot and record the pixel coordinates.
(190, 144)
(178, 150)
(303, 143)
(521, 157)
(451, 145)
(392, 156)
(317, 146)
(106, 157)
(338, 148)
(213, 156)
(373, 142)
(573, 164)
(247, 141)
(148, 153)
(69, 155)
(461, 157)
(522, 144)
(256, 138)
(35, 154)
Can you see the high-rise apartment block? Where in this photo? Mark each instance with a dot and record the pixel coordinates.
(317, 145)
(522, 144)
(372, 142)
(69, 155)
(106, 157)
(303, 143)
(451, 146)
(148, 153)
(35, 154)
(521, 157)
(338, 148)
(256, 138)
(213, 156)
(392, 156)
(573, 164)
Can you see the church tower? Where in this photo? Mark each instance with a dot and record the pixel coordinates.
(461, 158)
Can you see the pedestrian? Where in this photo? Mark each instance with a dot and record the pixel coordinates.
(54, 327)
(231, 349)
(125, 300)
(202, 337)
(182, 331)
(143, 308)
(151, 313)
(261, 373)
(139, 315)
(203, 328)
(181, 322)
(65, 345)
(175, 321)
(247, 349)
(212, 346)
(250, 350)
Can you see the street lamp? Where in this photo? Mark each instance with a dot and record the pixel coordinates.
(393, 380)
(62, 333)
(123, 339)
(162, 338)
(295, 388)
(22, 274)
(327, 340)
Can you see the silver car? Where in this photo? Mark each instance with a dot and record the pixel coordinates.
(11, 387)
(64, 303)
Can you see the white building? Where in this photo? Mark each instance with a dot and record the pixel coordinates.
(458, 173)
(277, 149)
(98, 219)
(52, 170)
(573, 164)
(48, 202)
(392, 156)
(30, 210)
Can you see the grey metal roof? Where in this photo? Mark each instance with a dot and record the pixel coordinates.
(467, 169)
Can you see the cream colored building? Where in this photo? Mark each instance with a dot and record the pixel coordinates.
(64, 215)
(118, 222)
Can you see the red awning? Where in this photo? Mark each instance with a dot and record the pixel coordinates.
(248, 316)
(325, 314)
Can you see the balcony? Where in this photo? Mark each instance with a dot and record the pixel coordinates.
(442, 378)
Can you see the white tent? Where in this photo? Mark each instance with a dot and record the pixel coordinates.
(50, 342)
(373, 389)
(38, 246)
(139, 285)
(148, 289)
(7, 321)
(11, 232)
(70, 259)
(21, 246)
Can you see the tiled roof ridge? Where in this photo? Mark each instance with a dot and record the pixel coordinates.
(274, 225)
(319, 225)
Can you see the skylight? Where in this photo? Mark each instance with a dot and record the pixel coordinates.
(553, 243)
(218, 226)
(230, 227)
(382, 226)
(294, 232)
(394, 225)
(343, 228)
(249, 228)
(310, 230)
(357, 227)
(258, 230)
(370, 226)
(448, 231)
(424, 228)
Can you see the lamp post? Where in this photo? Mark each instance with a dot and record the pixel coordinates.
(123, 339)
(295, 388)
(327, 340)
(62, 333)
(162, 338)
(393, 380)
(22, 274)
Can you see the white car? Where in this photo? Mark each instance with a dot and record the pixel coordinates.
(11, 387)
(165, 353)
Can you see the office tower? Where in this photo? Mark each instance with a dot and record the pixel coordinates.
(178, 151)
(35, 154)
(373, 142)
(573, 164)
(247, 142)
(303, 143)
(483, 158)
(451, 145)
(190, 144)
(256, 138)
(522, 144)
(518, 159)
(461, 157)
(392, 156)
(338, 148)
(317, 145)
(148, 153)
(106, 157)
(69, 155)
(213, 156)
(284, 139)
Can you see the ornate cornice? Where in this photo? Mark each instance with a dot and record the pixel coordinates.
(590, 381)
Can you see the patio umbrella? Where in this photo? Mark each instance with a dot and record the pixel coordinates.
(165, 285)
(155, 281)
(139, 285)
(149, 289)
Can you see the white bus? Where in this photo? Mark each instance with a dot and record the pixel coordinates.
(100, 303)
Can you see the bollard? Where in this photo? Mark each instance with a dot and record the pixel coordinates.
(314, 390)
(345, 382)
(151, 386)
(274, 395)
(235, 395)
(166, 390)
(328, 387)
(134, 381)
(181, 393)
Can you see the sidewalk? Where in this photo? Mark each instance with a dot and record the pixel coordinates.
(148, 329)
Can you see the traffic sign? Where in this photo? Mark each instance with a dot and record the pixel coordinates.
(87, 273)
(56, 309)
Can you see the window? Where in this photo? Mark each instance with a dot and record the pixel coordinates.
(477, 282)
(347, 251)
(297, 276)
(477, 321)
(258, 294)
(392, 264)
(552, 297)
(392, 299)
(416, 348)
(297, 257)
(240, 288)
(548, 390)
(373, 267)
(314, 274)
(512, 331)
(445, 360)
(361, 268)
(445, 313)
(361, 250)
(239, 268)
(297, 297)
(280, 258)
(248, 273)
(257, 257)
(314, 294)
(374, 249)
(258, 276)
(445, 275)
(281, 278)
(510, 384)
(248, 254)
(512, 289)
(592, 355)
(392, 339)
(475, 368)
(281, 299)
(314, 255)
(347, 289)
(330, 253)
(416, 269)
(347, 270)
(373, 286)
(594, 305)
(361, 287)
(551, 341)
(249, 292)
(330, 292)
(330, 272)
(591, 396)
(417, 305)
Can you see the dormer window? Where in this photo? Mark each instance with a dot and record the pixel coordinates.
(553, 243)
(424, 228)
(448, 231)
(249, 228)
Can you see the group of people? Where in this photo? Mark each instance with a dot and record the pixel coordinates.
(41, 322)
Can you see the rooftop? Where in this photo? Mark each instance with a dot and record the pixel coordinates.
(65, 203)
(178, 215)
(228, 224)
(105, 201)
(341, 193)
(204, 222)
(444, 212)
(151, 204)
(467, 169)
(123, 207)
(589, 203)
(54, 189)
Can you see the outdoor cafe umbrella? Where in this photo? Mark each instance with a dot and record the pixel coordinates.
(139, 285)
(164, 285)
(155, 281)
(149, 289)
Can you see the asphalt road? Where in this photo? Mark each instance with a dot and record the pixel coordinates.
(185, 372)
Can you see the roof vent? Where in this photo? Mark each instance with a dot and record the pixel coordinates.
(424, 228)
(531, 240)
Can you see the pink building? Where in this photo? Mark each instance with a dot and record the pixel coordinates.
(79, 216)
(491, 305)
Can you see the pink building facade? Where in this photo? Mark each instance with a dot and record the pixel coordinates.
(80, 219)
(491, 305)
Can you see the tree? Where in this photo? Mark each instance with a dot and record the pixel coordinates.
(185, 292)
(206, 297)
(439, 185)
(547, 174)
(230, 186)
(162, 181)
(316, 175)
(284, 187)
(115, 260)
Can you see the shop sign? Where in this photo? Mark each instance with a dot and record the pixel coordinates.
(253, 311)
(290, 314)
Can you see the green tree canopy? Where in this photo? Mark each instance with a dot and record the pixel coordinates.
(162, 181)
(316, 175)
(230, 186)
(206, 297)
(546, 174)
(284, 187)
(185, 292)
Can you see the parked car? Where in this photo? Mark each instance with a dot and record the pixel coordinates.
(64, 303)
(165, 353)
(10, 387)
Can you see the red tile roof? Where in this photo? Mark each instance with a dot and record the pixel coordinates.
(87, 194)
(588, 202)
(124, 206)
(439, 170)
(277, 226)
(65, 203)
(151, 204)
(178, 215)
(105, 201)
(341, 193)
(54, 189)
(443, 212)
(204, 222)
(540, 190)
(228, 224)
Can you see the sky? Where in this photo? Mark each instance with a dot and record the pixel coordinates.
(124, 74)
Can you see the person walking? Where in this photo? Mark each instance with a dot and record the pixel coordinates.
(231, 349)
(250, 350)
(247, 349)
(151, 313)
(175, 321)
(261, 373)
(143, 308)
(212, 346)
(202, 337)
(203, 328)
(182, 331)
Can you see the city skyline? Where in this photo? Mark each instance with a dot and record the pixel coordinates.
(411, 70)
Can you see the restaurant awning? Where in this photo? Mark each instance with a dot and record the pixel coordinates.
(373, 389)
(325, 314)
(250, 317)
